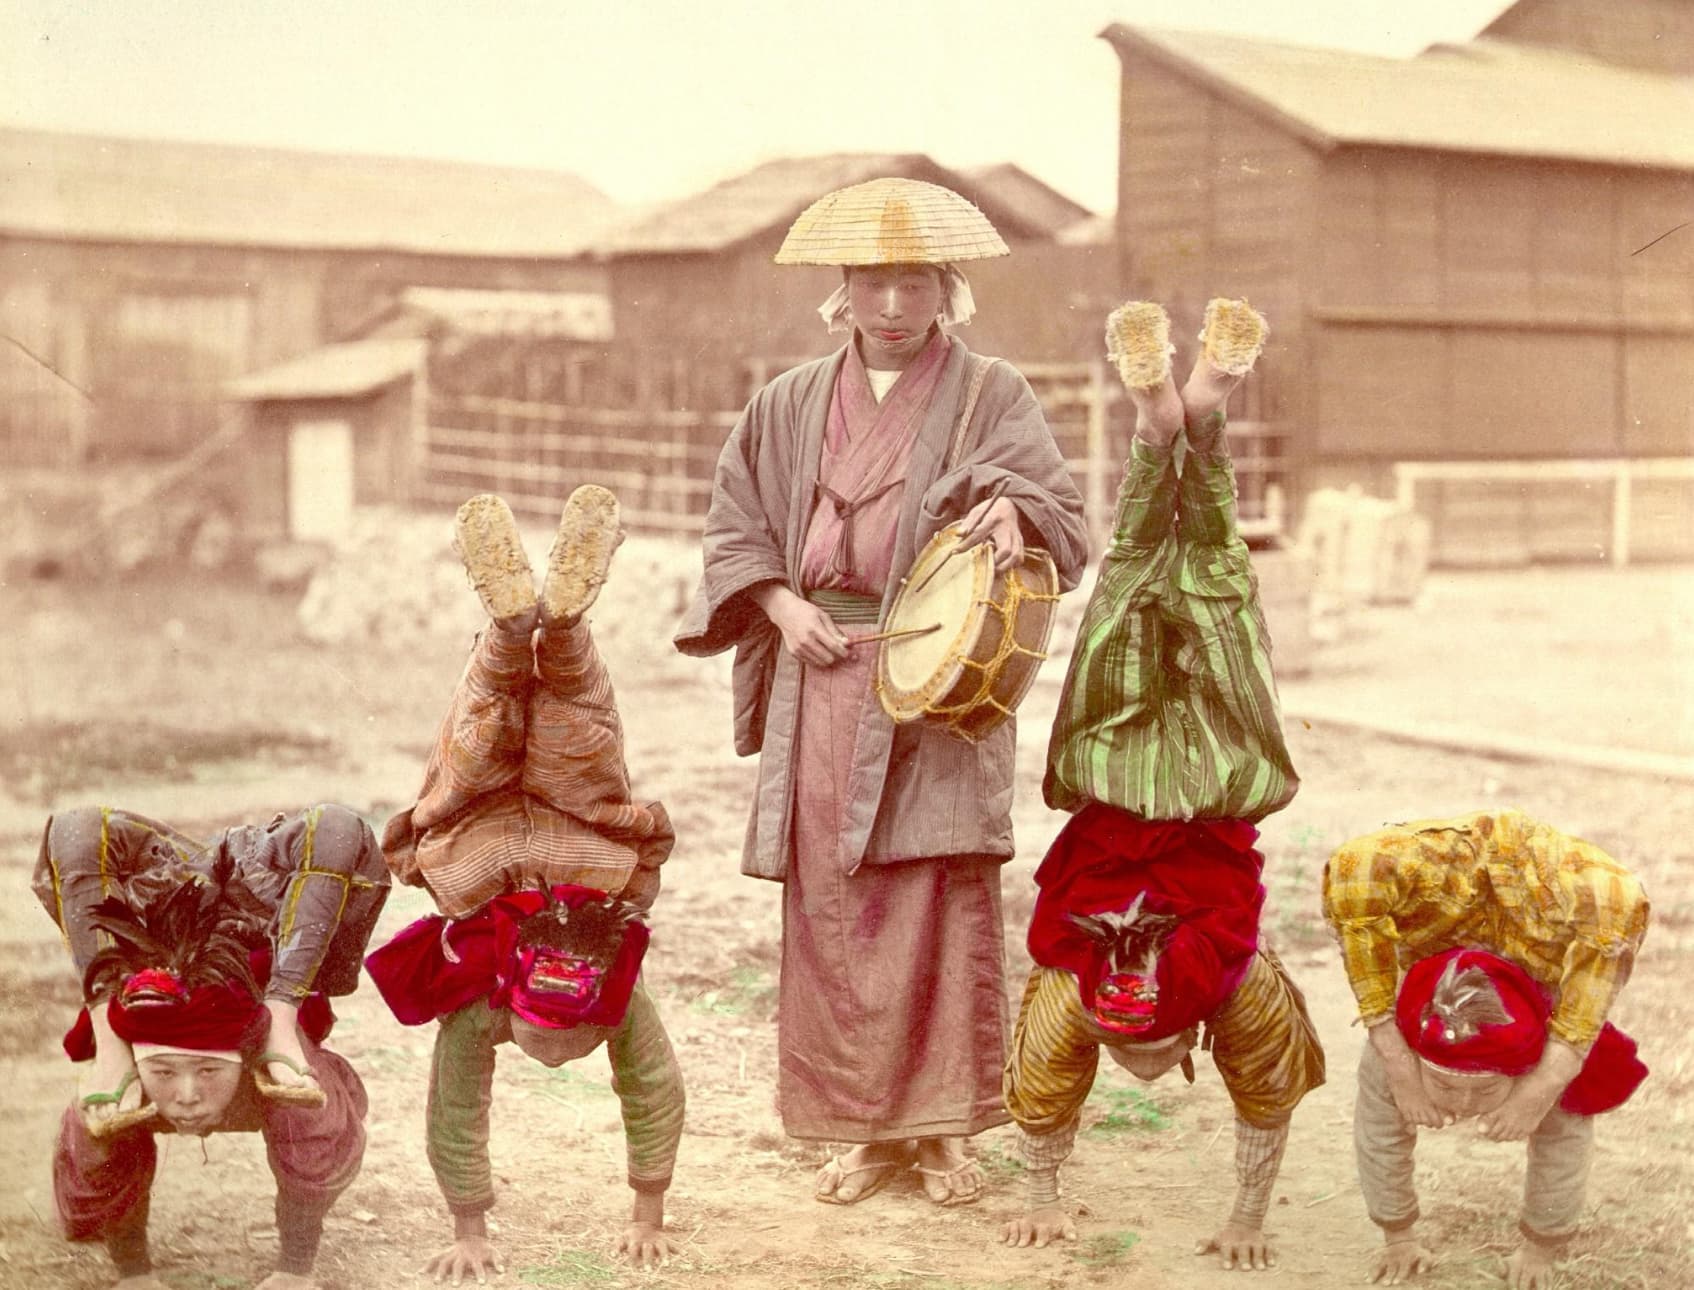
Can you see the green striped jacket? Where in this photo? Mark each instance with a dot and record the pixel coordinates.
(1169, 709)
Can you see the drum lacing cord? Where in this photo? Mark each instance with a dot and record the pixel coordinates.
(1016, 594)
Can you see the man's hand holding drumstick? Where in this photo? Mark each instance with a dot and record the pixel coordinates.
(994, 519)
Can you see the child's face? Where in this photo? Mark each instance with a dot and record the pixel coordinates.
(555, 1046)
(1148, 1063)
(1465, 1095)
(191, 1091)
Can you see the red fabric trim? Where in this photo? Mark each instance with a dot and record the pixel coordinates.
(1610, 1073)
(1206, 872)
(206, 1020)
(419, 983)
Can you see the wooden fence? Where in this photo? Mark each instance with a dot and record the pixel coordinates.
(660, 461)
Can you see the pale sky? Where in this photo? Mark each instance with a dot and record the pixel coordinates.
(647, 99)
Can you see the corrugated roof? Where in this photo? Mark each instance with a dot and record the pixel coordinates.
(772, 195)
(1488, 96)
(1037, 201)
(347, 370)
(94, 188)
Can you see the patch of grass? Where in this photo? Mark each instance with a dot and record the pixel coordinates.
(570, 1268)
(748, 992)
(1106, 1250)
(999, 1162)
(1128, 1110)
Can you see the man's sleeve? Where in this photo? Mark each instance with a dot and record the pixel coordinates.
(1606, 910)
(648, 1082)
(461, 1088)
(1366, 885)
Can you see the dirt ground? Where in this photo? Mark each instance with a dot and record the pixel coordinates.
(200, 703)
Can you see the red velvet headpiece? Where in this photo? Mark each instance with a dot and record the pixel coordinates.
(153, 1007)
(1202, 873)
(1511, 1043)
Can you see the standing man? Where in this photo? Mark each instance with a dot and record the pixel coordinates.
(889, 840)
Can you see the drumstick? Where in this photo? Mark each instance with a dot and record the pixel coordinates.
(1000, 486)
(894, 635)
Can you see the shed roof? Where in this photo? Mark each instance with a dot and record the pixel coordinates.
(771, 196)
(94, 188)
(1034, 199)
(1487, 96)
(576, 315)
(349, 370)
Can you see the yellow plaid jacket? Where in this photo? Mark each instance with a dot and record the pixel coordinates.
(1563, 909)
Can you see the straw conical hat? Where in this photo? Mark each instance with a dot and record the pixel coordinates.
(890, 221)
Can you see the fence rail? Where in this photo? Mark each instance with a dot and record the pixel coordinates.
(660, 461)
(1622, 475)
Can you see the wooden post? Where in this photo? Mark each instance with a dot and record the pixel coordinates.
(1097, 468)
(1620, 515)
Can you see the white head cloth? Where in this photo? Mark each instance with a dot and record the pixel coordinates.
(141, 1052)
(958, 306)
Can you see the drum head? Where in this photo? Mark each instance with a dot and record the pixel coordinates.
(945, 588)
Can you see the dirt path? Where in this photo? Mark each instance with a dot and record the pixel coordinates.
(1152, 1173)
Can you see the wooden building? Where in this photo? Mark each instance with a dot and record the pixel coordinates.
(1477, 263)
(693, 286)
(138, 277)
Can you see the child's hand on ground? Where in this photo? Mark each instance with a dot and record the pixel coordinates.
(645, 1245)
(1399, 1261)
(1239, 1246)
(1038, 1227)
(1530, 1267)
(468, 1256)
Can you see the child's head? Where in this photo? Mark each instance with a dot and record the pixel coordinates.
(192, 1088)
(1477, 1022)
(556, 1045)
(1463, 1094)
(1149, 1061)
(576, 966)
(178, 987)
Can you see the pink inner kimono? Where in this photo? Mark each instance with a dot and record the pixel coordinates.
(892, 998)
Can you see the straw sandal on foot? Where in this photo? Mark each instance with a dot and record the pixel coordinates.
(1138, 342)
(293, 1094)
(123, 1119)
(880, 1172)
(581, 554)
(956, 1180)
(485, 535)
(1233, 334)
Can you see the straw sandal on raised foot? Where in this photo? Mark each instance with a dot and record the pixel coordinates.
(1233, 334)
(294, 1094)
(123, 1119)
(1138, 342)
(485, 535)
(581, 554)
